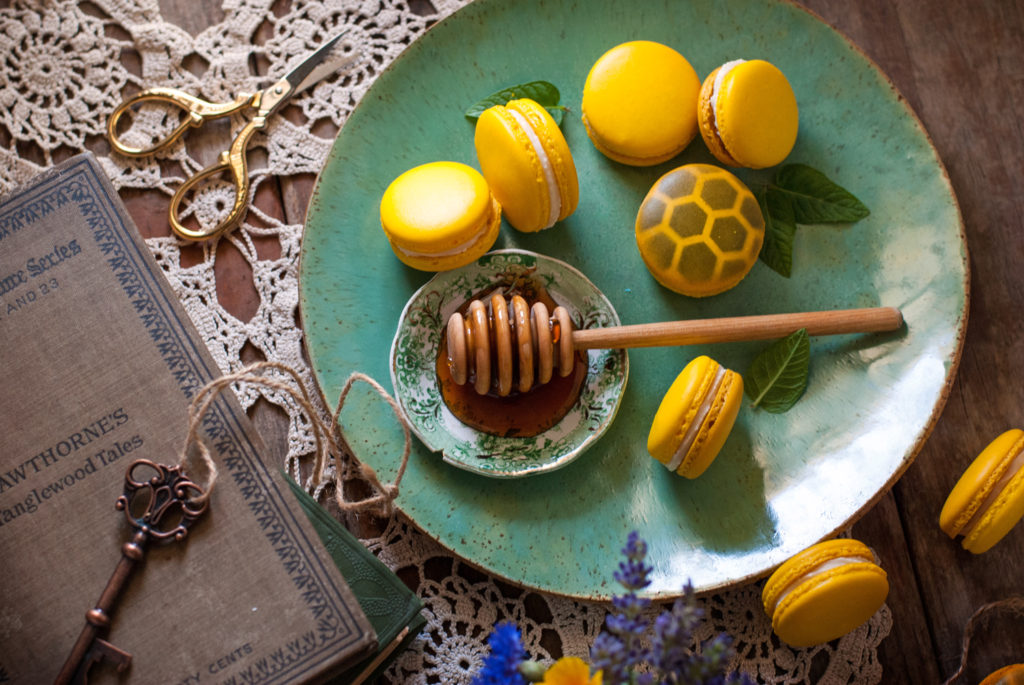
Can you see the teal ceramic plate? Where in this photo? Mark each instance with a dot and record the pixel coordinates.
(782, 482)
(417, 345)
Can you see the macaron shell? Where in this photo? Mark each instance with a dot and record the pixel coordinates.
(485, 239)
(804, 561)
(679, 407)
(757, 116)
(640, 103)
(443, 212)
(717, 426)
(435, 207)
(512, 169)
(557, 150)
(999, 518)
(706, 122)
(979, 479)
(831, 604)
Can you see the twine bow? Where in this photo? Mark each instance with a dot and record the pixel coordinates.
(329, 439)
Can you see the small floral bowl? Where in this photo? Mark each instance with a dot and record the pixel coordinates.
(416, 347)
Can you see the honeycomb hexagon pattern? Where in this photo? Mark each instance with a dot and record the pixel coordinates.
(699, 230)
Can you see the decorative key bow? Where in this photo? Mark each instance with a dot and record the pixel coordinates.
(162, 508)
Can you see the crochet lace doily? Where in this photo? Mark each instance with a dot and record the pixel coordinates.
(65, 66)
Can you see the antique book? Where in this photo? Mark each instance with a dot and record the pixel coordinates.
(99, 364)
(393, 609)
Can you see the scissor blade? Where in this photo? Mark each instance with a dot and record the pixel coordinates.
(322, 63)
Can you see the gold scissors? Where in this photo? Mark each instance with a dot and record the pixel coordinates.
(318, 65)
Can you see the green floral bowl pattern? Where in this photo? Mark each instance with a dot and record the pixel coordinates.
(417, 343)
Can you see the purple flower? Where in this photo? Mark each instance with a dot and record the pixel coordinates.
(617, 650)
(610, 656)
(674, 656)
(632, 573)
(674, 651)
(501, 666)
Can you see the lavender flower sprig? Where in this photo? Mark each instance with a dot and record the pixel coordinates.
(671, 651)
(618, 651)
(671, 658)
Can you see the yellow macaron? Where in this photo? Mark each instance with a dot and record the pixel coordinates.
(440, 216)
(699, 230)
(748, 114)
(988, 500)
(640, 103)
(824, 592)
(527, 163)
(695, 417)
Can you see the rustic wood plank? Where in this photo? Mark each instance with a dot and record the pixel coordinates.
(907, 655)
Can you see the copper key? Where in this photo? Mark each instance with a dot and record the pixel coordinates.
(171, 503)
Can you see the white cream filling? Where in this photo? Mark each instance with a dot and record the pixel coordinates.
(554, 197)
(1015, 466)
(820, 568)
(458, 249)
(413, 253)
(719, 79)
(698, 420)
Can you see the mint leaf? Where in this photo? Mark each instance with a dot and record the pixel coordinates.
(779, 231)
(816, 199)
(778, 376)
(543, 93)
(556, 113)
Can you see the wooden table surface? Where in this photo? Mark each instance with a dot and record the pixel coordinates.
(960, 66)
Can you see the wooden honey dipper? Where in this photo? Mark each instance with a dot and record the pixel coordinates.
(512, 335)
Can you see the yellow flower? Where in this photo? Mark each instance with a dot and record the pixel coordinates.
(570, 670)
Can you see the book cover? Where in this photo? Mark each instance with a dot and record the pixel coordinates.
(99, 362)
(392, 608)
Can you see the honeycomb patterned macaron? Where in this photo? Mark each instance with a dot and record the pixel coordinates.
(699, 230)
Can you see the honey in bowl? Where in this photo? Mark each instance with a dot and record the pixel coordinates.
(415, 353)
(519, 414)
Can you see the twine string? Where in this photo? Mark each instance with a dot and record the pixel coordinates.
(329, 439)
(385, 499)
(1014, 605)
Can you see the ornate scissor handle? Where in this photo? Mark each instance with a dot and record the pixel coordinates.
(172, 502)
(232, 161)
(196, 109)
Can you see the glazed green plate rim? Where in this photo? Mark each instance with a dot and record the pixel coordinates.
(781, 482)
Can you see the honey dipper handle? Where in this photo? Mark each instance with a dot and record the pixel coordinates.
(735, 329)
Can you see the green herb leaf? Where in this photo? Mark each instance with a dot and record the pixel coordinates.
(816, 199)
(779, 231)
(778, 376)
(543, 93)
(556, 113)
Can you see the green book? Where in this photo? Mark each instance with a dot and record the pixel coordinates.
(393, 609)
